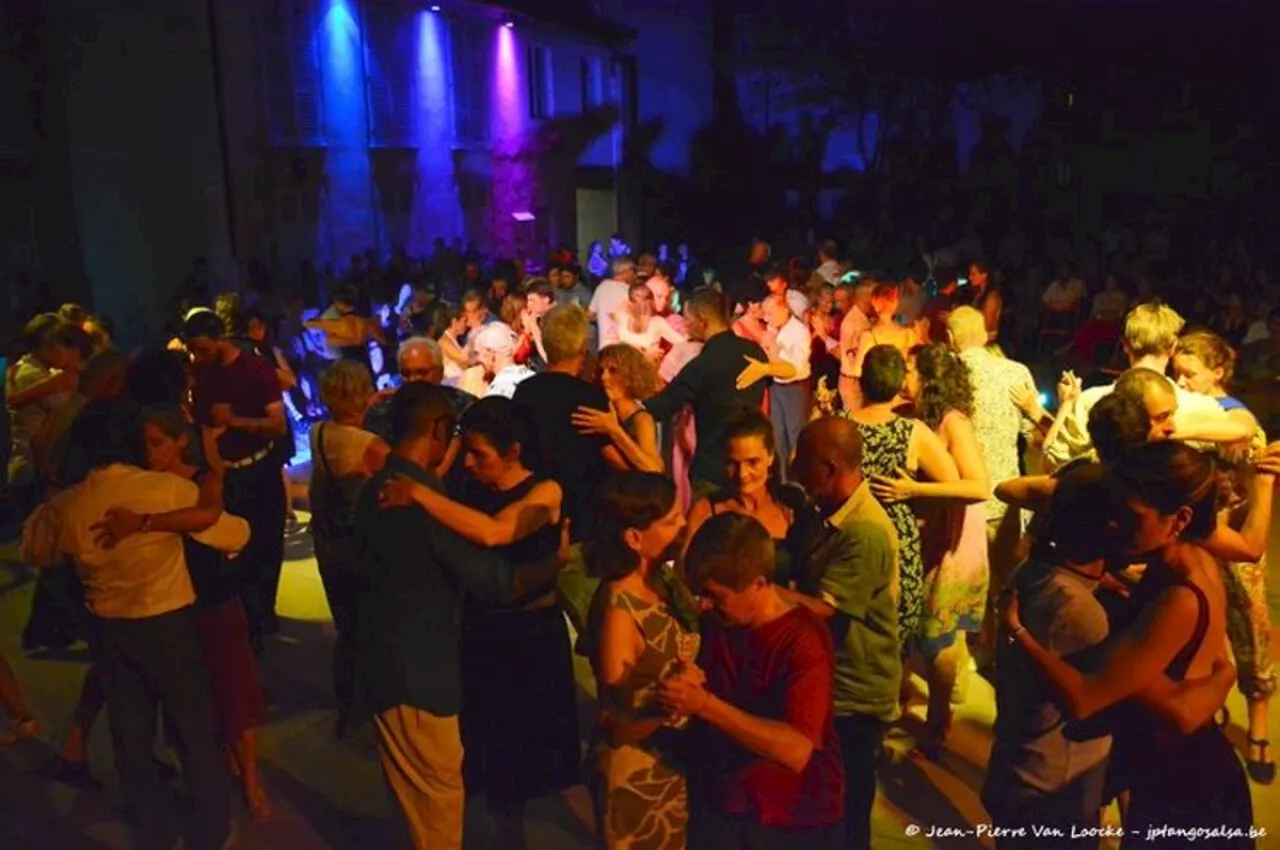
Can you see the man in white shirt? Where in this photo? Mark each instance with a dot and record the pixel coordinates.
(1150, 336)
(828, 262)
(1065, 293)
(788, 341)
(609, 298)
(144, 634)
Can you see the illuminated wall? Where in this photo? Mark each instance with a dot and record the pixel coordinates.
(515, 185)
(347, 223)
(435, 208)
(188, 140)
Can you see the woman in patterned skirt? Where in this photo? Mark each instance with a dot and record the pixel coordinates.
(642, 629)
(891, 446)
(1205, 363)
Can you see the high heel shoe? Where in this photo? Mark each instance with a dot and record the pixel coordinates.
(1261, 770)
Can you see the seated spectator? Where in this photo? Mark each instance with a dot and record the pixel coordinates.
(1064, 293)
(1260, 361)
(1232, 322)
(1258, 327)
(1105, 321)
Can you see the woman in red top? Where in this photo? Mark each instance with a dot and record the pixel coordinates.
(769, 767)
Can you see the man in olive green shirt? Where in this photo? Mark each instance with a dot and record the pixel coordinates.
(852, 567)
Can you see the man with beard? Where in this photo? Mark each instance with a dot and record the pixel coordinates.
(238, 405)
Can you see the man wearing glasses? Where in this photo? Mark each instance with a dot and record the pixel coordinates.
(418, 361)
(407, 634)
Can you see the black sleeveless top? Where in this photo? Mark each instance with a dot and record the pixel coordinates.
(1140, 735)
(1148, 590)
(787, 557)
(1181, 781)
(537, 547)
(215, 577)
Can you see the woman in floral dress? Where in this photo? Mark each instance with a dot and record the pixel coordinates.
(954, 535)
(642, 629)
(893, 446)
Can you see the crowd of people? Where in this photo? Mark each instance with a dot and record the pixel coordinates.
(754, 505)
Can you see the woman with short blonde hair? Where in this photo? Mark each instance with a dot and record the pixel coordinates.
(345, 388)
(1151, 330)
(344, 455)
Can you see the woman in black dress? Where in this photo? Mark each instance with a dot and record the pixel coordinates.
(1180, 769)
(519, 717)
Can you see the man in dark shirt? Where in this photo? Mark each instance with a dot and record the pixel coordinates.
(407, 635)
(710, 383)
(239, 406)
(577, 462)
(768, 773)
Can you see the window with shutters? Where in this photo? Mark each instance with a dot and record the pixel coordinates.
(470, 45)
(538, 76)
(291, 74)
(389, 32)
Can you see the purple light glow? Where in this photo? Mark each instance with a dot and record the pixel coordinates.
(510, 25)
(515, 182)
(508, 104)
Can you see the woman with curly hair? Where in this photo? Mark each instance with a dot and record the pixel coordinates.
(627, 377)
(953, 539)
(1205, 363)
(897, 446)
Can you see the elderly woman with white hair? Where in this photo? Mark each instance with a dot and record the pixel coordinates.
(495, 372)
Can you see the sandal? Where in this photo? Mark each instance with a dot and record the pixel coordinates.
(258, 803)
(1261, 770)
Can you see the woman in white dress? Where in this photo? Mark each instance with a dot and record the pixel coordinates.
(638, 325)
(449, 324)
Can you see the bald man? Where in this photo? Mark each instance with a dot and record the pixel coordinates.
(850, 577)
